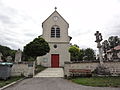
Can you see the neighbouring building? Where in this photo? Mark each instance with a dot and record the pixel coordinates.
(114, 54)
(55, 32)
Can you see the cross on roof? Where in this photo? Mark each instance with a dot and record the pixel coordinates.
(55, 8)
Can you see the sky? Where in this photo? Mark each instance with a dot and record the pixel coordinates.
(21, 20)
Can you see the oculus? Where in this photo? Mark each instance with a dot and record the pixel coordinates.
(55, 46)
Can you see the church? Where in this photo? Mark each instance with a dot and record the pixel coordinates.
(55, 32)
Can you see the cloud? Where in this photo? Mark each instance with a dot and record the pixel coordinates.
(16, 28)
(5, 19)
(20, 20)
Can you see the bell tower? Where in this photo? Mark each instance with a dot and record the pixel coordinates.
(55, 32)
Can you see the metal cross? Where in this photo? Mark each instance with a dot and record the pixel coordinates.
(55, 8)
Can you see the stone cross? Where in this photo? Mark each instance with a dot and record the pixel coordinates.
(18, 56)
(99, 46)
(98, 36)
(0, 56)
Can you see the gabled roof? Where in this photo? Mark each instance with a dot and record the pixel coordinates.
(117, 48)
(58, 14)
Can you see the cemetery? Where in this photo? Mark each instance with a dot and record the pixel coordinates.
(18, 67)
(17, 70)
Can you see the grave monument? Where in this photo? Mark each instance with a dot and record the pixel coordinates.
(101, 69)
(9, 59)
(1, 56)
(18, 56)
(99, 46)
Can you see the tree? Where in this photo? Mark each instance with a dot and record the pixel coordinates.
(81, 54)
(38, 47)
(89, 54)
(74, 52)
(6, 51)
(113, 41)
(105, 47)
(78, 54)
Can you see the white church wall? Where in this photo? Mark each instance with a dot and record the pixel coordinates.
(62, 50)
(63, 29)
(62, 42)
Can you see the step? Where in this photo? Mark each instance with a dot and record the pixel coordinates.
(51, 72)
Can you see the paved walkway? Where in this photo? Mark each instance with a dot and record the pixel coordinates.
(49, 79)
(51, 72)
(50, 83)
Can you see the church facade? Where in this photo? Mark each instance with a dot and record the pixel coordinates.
(55, 32)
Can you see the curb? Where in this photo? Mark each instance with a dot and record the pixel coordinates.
(15, 82)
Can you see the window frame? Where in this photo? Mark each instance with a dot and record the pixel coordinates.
(55, 31)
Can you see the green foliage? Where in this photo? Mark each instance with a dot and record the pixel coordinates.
(74, 51)
(38, 47)
(89, 54)
(31, 59)
(39, 68)
(6, 51)
(113, 41)
(99, 81)
(81, 54)
(110, 43)
(10, 80)
(105, 46)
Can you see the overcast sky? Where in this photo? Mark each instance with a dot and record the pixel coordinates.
(21, 20)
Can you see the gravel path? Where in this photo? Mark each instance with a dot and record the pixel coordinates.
(48, 83)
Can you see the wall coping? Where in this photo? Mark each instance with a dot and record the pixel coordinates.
(90, 62)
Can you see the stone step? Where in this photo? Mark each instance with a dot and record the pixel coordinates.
(51, 72)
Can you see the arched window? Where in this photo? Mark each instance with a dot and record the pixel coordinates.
(55, 32)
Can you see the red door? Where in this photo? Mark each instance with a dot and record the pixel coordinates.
(55, 60)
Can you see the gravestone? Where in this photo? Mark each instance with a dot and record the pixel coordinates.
(1, 56)
(9, 59)
(18, 56)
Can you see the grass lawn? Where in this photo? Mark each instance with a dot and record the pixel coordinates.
(8, 81)
(98, 81)
(39, 68)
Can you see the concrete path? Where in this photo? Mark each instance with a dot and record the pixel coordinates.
(51, 72)
(50, 83)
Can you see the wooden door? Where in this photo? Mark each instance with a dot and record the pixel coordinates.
(55, 60)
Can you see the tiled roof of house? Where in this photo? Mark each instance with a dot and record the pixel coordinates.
(108, 51)
(116, 48)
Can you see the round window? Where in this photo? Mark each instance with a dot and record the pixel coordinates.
(55, 46)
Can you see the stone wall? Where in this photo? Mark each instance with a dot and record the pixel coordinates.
(114, 67)
(26, 69)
